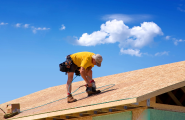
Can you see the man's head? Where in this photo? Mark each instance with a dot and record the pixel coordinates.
(97, 59)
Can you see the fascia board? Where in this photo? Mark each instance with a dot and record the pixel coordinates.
(78, 109)
(161, 91)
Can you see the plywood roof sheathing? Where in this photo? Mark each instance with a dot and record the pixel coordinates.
(130, 87)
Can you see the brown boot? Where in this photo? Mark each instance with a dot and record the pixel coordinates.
(92, 91)
(70, 99)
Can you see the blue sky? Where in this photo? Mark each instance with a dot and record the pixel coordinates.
(35, 37)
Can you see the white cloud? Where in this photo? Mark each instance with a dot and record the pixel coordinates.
(167, 37)
(180, 9)
(39, 28)
(127, 18)
(2, 23)
(62, 27)
(161, 53)
(18, 25)
(130, 39)
(26, 25)
(131, 52)
(177, 41)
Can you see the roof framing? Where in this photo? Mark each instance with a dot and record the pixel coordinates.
(78, 109)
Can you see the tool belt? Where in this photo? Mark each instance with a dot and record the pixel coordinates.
(65, 66)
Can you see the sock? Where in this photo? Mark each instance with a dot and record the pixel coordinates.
(92, 81)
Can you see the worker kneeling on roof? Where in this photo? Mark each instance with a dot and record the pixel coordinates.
(81, 63)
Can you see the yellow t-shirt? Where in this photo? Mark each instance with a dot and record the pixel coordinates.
(83, 59)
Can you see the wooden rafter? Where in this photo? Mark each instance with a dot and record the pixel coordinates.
(158, 100)
(183, 89)
(174, 98)
(183, 97)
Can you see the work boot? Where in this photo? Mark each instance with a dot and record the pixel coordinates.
(95, 91)
(70, 99)
(91, 90)
(94, 87)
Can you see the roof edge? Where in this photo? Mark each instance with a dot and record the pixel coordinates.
(161, 91)
(78, 109)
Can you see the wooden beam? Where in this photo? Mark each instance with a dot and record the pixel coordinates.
(183, 89)
(161, 91)
(182, 98)
(41, 119)
(63, 117)
(174, 108)
(105, 110)
(120, 107)
(158, 100)
(85, 114)
(74, 115)
(90, 112)
(77, 110)
(57, 117)
(49, 118)
(167, 101)
(174, 98)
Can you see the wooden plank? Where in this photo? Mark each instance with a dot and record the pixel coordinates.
(161, 91)
(146, 84)
(62, 117)
(41, 119)
(94, 107)
(74, 115)
(90, 112)
(168, 107)
(174, 98)
(49, 118)
(168, 100)
(120, 107)
(77, 110)
(183, 89)
(57, 117)
(182, 98)
(159, 100)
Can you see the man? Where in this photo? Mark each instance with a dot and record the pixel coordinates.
(82, 61)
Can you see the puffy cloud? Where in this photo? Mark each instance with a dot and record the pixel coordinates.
(18, 25)
(177, 41)
(39, 28)
(131, 52)
(161, 53)
(92, 39)
(62, 27)
(127, 18)
(167, 37)
(2, 23)
(26, 25)
(130, 39)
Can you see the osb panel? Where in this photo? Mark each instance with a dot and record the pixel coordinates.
(1, 116)
(127, 85)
